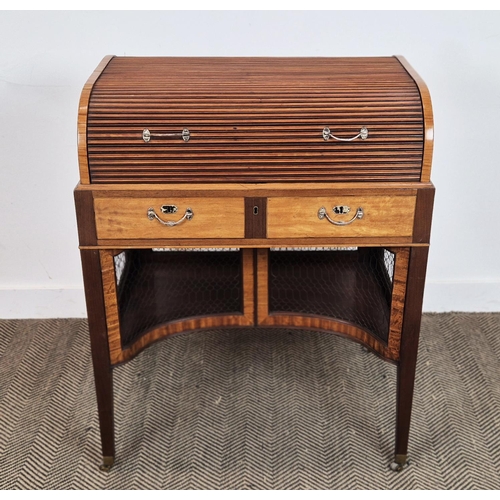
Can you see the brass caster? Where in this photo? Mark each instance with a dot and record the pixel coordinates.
(399, 463)
(107, 463)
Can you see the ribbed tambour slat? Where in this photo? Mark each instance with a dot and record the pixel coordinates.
(254, 119)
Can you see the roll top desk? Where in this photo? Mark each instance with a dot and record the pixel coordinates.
(266, 192)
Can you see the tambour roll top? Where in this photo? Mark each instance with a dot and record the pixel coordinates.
(162, 120)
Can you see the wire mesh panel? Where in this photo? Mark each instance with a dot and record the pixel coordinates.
(120, 261)
(353, 285)
(156, 287)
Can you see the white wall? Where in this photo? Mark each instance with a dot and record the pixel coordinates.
(46, 57)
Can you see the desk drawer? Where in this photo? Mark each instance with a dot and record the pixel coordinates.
(343, 216)
(141, 218)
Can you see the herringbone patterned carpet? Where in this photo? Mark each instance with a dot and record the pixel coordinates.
(259, 409)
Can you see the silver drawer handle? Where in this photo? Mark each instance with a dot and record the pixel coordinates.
(322, 214)
(188, 215)
(363, 134)
(185, 135)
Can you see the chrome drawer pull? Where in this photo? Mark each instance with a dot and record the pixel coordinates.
(188, 215)
(322, 214)
(363, 134)
(185, 135)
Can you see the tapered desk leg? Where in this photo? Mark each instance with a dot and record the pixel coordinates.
(408, 351)
(100, 352)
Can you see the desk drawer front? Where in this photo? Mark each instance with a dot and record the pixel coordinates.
(343, 216)
(161, 218)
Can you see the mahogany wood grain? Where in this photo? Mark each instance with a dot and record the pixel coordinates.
(255, 217)
(423, 215)
(254, 119)
(384, 216)
(409, 346)
(85, 217)
(83, 108)
(103, 378)
(428, 120)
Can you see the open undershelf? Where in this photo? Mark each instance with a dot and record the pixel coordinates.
(351, 285)
(157, 287)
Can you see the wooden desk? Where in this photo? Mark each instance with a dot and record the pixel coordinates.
(280, 192)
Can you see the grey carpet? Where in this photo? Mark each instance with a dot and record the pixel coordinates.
(257, 409)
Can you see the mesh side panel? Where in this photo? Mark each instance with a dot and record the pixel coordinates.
(157, 287)
(351, 285)
(389, 259)
(120, 261)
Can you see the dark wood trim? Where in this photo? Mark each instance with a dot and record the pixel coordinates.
(255, 223)
(249, 203)
(403, 241)
(409, 345)
(423, 215)
(103, 376)
(85, 217)
(260, 224)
